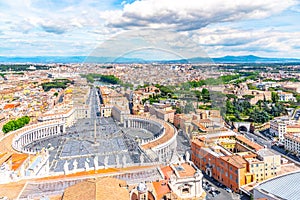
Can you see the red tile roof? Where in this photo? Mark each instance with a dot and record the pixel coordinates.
(18, 160)
(161, 188)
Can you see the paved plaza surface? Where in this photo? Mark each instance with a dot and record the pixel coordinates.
(82, 143)
(98, 137)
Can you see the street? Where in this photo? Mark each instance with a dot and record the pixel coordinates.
(223, 193)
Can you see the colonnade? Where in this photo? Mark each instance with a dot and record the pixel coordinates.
(37, 132)
(164, 149)
(140, 123)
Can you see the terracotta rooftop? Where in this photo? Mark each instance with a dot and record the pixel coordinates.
(235, 160)
(198, 142)
(205, 121)
(199, 125)
(294, 126)
(167, 171)
(248, 142)
(185, 170)
(96, 189)
(18, 160)
(169, 133)
(161, 188)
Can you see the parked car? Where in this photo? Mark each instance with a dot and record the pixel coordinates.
(228, 190)
(214, 194)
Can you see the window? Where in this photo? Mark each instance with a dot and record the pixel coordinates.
(230, 168)
(185, 190)
(143, 197)
(230, 176)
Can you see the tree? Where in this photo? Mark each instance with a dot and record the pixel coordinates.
(229, 107)
(298, 97)
(205, 95)
(189, 108)
(231, 96)
(274, 97)
(248, 96)
(15, 124)
(178, 110)
(259, 116)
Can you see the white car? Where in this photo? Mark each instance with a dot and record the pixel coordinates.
(228, 190)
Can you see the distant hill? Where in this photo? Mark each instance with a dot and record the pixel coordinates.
(253, 59)
(89, 59)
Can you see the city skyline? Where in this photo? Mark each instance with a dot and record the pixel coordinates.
(67, 28)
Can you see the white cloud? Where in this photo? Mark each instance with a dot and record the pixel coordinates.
(40, 27)
(262, 42)
(191, 15)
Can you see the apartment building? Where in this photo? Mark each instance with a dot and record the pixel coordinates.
(162, 111)
(286, 96)
(233, 160)
(292, 142)
(280, 126)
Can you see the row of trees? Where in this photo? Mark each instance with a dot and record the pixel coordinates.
(58, 83)
(15, 124)
(110, 79)
(214, 81)
(203, 96)
(104, 78)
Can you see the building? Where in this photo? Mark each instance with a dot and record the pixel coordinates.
(280, 126)
(185, 180)
(120, 112)
(292, 142)
(202, 122)
(233, 160)
(286, 96)
(69, 116)
(113, 104)
(216, 162)
(267, 165)
(19, 166)
(180, 180)
(162, 111)
(281, 187)
(98, 189)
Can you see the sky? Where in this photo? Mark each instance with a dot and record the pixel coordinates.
(266, 28)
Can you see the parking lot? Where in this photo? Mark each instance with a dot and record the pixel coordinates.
(220, 193)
